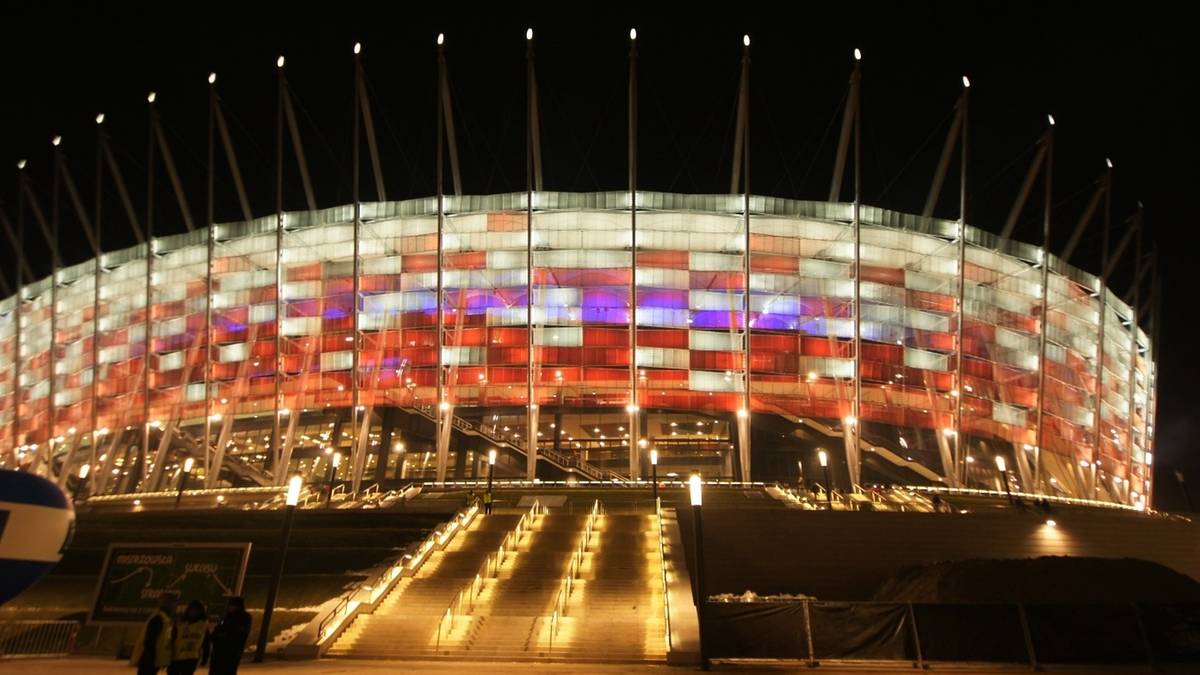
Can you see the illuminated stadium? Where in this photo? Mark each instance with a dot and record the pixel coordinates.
(576, 335)
(690, 378)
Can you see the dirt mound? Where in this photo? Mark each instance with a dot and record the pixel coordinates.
(1049, 579)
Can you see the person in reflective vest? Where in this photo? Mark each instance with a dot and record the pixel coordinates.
(487, 502)
(153, 647)
(191, 637)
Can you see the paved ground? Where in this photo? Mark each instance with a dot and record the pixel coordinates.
(85, 666)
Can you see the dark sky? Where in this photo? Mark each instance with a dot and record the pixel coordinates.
(1120, 85)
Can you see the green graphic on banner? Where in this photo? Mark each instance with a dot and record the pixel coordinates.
(135, 575)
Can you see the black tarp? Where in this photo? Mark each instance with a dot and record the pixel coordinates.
(970, 633)
(1064, 634)
(755, 630)
(1085, 634)
(842, 630)
(1173, 631)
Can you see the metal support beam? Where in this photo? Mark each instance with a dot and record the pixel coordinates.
(960, 441)
(854, 429)
(447, 116)
(368, 124)
(359, 101)
(297, 144)
(533, 182)
(1010, 223)
(1098, 408)
(534, 117)
(849, 116)
(744, 414)
(173, 175)
(1088, 213)
(123, 193)
(147, 341)
(440, 405)
(939, 176)
(15, 241)
(1044, 319)
(231, 155)
(633, 408)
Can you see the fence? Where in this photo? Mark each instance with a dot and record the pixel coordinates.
(25, 639)
(918, 633)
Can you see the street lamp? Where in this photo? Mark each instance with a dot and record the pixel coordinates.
(491, 470)
(654, 476)
(83, 474)
(334, 463)
(1002, 467)
(293, 498)
(823, 458)
(183, 476)
(695, 488)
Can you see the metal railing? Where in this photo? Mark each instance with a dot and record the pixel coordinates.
(568, 582)
(662, 566)
(28, 639)
(474, 587)
(370, 590)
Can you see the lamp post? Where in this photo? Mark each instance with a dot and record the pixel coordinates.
(83, 474)
(183, 476)
(293, 498)
(1002, 467)
(334, 462)
(823, 458)
(491, 470)
(654, 477)
(695, 488)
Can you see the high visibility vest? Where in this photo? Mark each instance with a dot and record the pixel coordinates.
(487, 498)
(189, 637)
(162, 645)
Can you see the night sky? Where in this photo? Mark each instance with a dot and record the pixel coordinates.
(1119, 85)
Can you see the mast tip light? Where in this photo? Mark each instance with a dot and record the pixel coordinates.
(528, 33)
(100, 118)
(632, 33)
(857, 54)
(150, 97)
(279, 61)
(441, 39)
(1050, 118)
(966, 82)
(212, 78)
(746, 40)
(357, 47)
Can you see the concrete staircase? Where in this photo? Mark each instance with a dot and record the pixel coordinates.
(615, 612)
(406, 622)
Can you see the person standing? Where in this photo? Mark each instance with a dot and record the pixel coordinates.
(191, 637)
(228, 639)
(152, 650)
(487, 502)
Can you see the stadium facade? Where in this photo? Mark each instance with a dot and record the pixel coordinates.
(739, 335)
(223, 301)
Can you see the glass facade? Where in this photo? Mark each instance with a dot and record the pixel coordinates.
(585, 344)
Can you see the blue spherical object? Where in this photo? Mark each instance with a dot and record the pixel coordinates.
(36, 524)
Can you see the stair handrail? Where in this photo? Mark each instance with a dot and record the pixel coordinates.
(662, 566)
(475, 585)
(567, 585)
(383, 581)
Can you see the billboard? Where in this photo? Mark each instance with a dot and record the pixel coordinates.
(135, 575)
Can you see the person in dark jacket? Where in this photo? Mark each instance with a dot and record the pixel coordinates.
(227, 641)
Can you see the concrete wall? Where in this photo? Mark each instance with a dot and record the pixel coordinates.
(847, 555)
